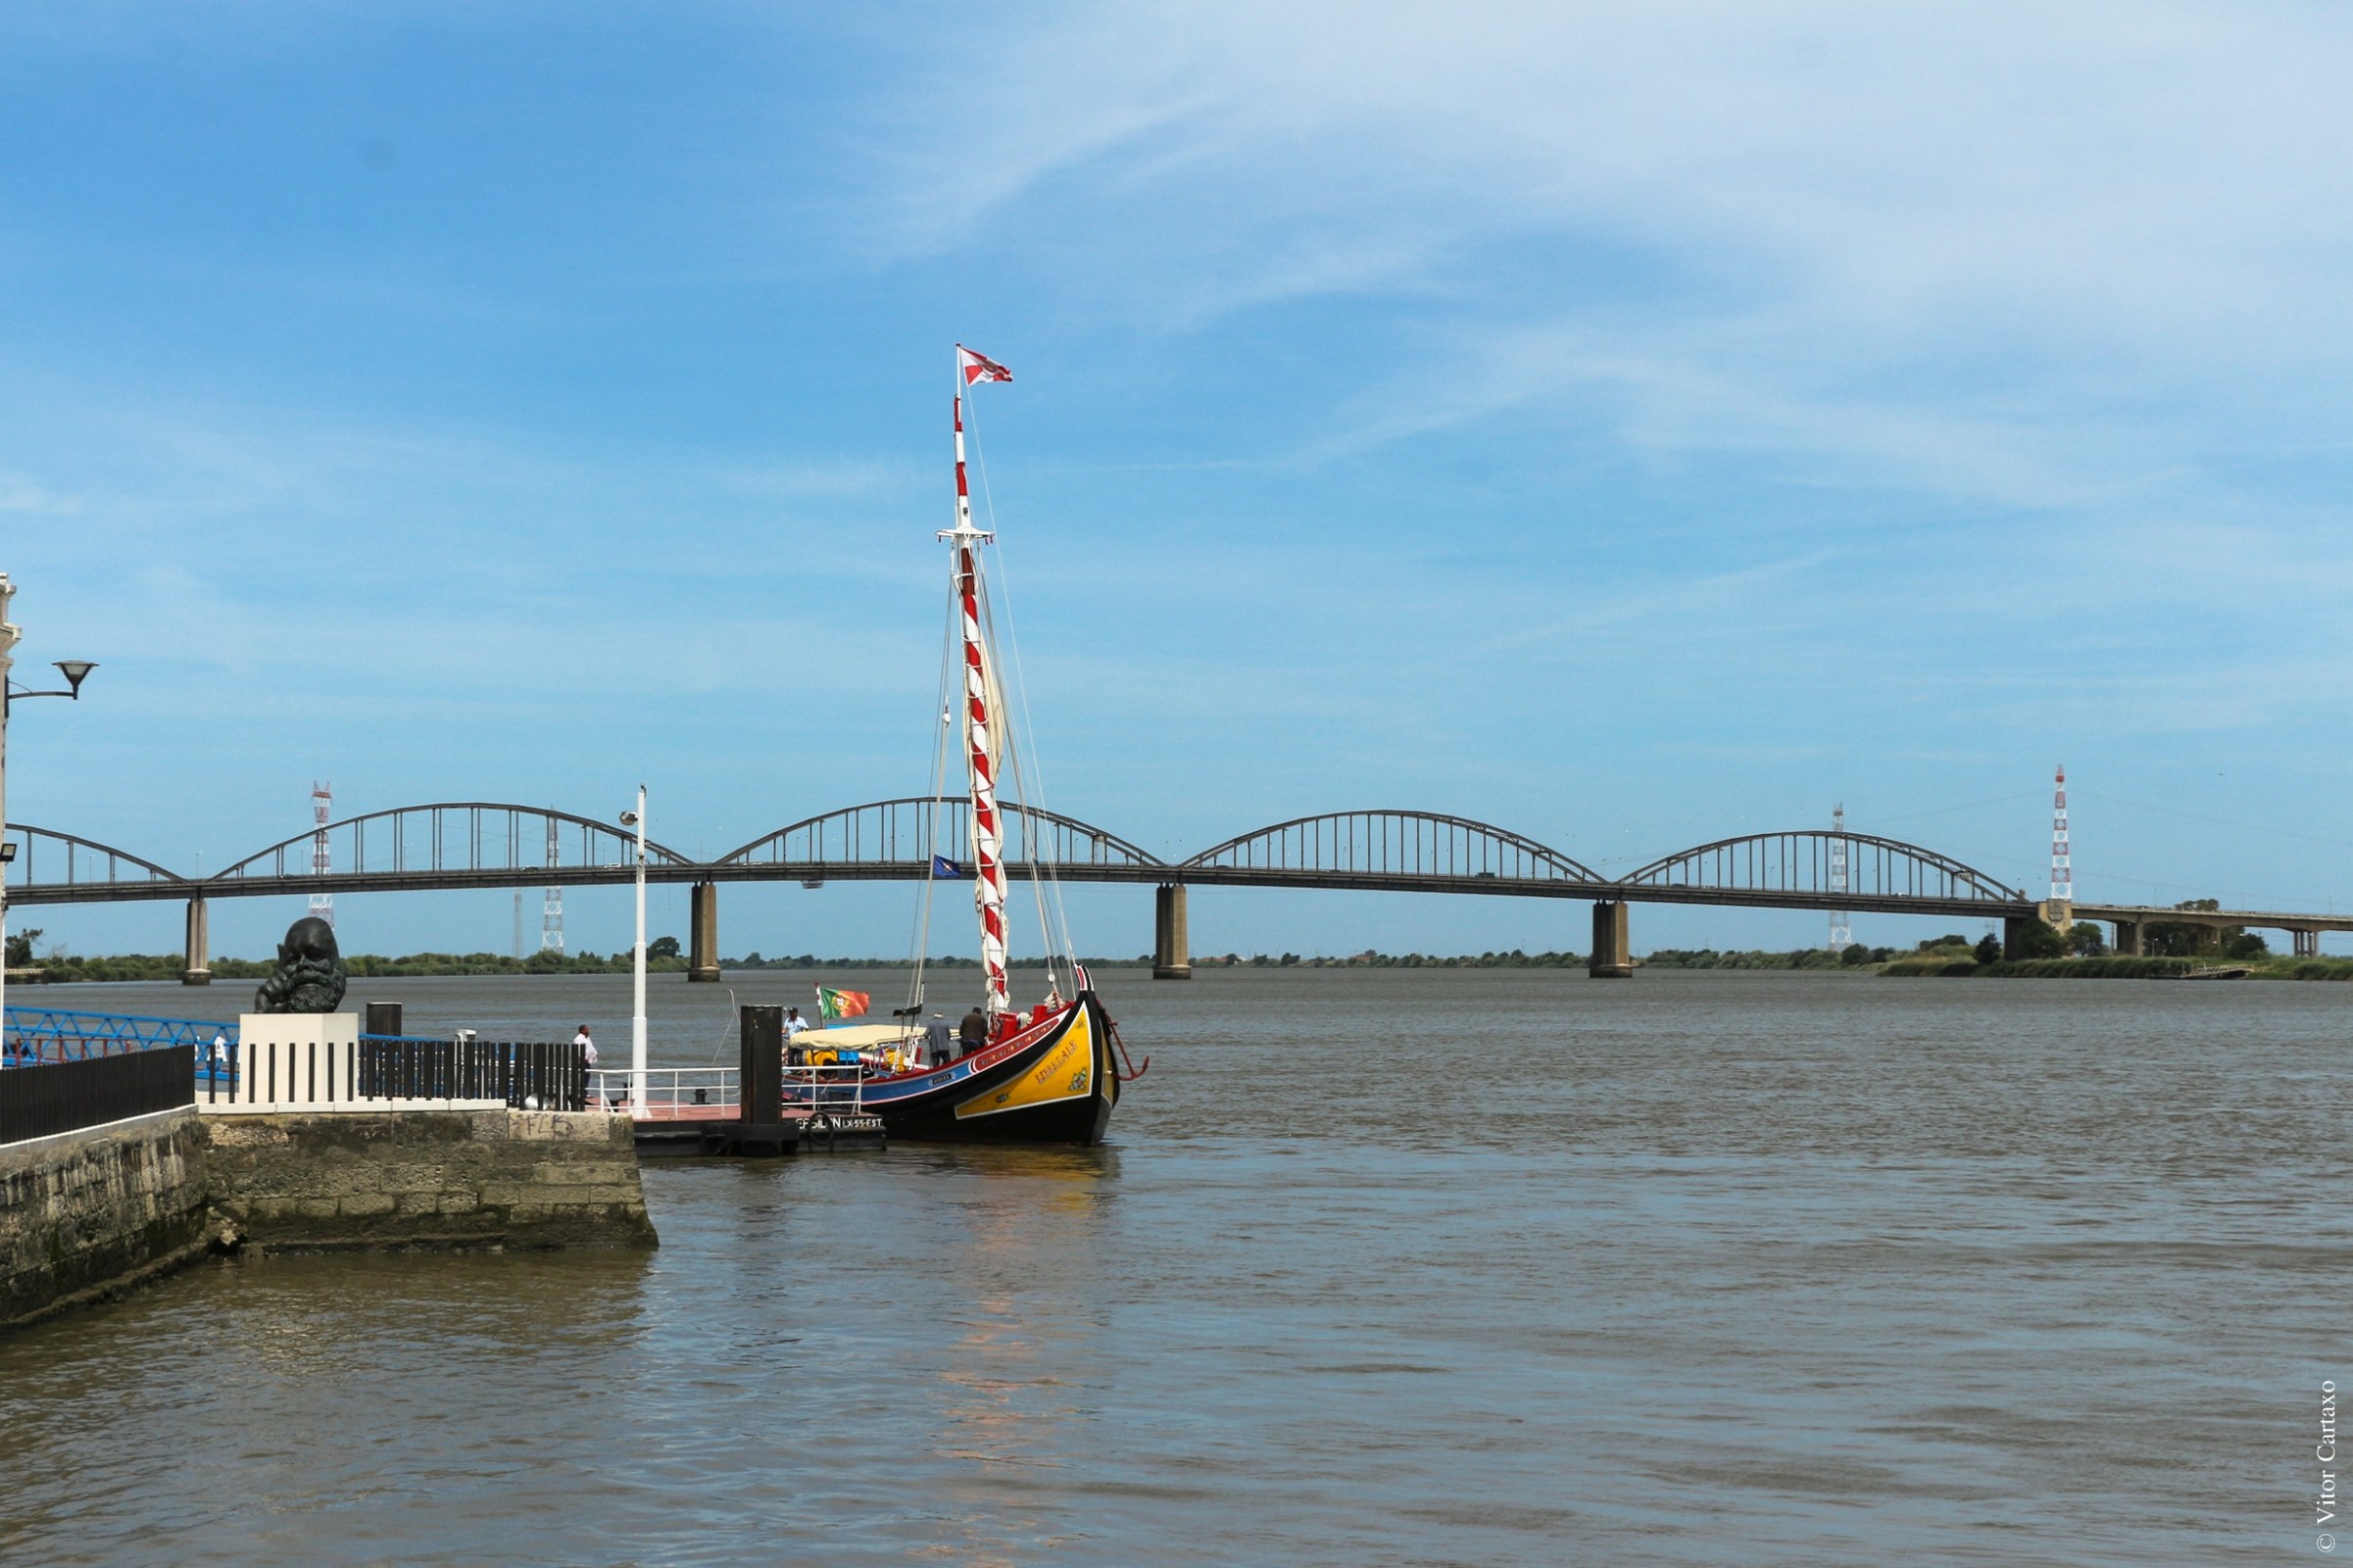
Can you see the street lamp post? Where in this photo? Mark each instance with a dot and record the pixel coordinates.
(75, 671)
(637, 961)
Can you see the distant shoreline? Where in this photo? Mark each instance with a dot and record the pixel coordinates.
(126, 968)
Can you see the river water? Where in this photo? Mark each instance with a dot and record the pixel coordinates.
(1380, 1266)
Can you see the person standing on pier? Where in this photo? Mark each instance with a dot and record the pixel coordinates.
(585, 1046)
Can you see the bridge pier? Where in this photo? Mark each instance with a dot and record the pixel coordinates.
(2308, 944)
(2014, 934)
(1171, 943)
(703, 926)
(1612, 957)
(196, 962)
(2127, 939)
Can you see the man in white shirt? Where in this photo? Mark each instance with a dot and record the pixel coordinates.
(587, 1047)
(793, 1023)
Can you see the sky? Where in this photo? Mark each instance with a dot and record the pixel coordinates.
(1629, 426)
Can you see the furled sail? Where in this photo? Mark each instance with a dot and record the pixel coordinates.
(984, 712)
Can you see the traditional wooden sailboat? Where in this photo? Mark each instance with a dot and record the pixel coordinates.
(1047, 1074)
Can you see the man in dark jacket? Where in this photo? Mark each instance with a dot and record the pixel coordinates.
(973, 1032)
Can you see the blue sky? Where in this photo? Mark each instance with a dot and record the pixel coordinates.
(1629, 429)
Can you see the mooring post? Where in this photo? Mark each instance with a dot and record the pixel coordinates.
(702, 924)
(196, 966)
(383, 1018)
(1171, 944)
(759, 1082)
(1612, 957)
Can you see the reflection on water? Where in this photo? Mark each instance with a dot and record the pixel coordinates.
(1383, 1267)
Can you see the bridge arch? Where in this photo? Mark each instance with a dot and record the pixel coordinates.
(1393, 843)
(1800, 862)
(453, 837)
(897, 833)
(48, 858)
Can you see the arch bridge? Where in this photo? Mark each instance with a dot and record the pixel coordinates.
(481, 843)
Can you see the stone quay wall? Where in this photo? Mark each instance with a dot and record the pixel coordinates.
(85, 1215)
(322, 1180)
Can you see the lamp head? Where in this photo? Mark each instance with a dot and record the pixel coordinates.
(75, 671)
(628, 819)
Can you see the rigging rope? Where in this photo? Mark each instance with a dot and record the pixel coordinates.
(1019, 735)
(939, 792)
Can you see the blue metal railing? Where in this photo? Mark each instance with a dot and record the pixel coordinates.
(29, 1035)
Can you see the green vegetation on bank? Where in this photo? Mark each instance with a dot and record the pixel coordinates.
(2079, 954)
(2305, 969)
(2176, 949)
(63, 970)
(1710, 958)
(2107, 968)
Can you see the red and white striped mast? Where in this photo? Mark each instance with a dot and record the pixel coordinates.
(981, 747)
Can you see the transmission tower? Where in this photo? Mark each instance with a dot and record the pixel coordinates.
(2063, 870)
(551, 912)
(322, 807)
(1842, 930)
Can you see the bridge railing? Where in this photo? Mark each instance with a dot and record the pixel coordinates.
(490, 843)
(909, 831)
(714, 1094)
(450, 837)
(1808, 862)
(670, 1094)
(57, 1034)
(1393, 844)
(48, 858)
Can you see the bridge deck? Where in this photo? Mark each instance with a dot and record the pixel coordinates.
(487, 845)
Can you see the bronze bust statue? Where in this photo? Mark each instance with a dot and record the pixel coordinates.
(310, 975)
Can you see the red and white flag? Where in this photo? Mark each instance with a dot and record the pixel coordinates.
(979, 367)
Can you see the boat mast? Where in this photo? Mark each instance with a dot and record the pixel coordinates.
(981, 746)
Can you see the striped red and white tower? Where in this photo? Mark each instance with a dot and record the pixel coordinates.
(2062, 872)
(322, 807)
(1842, 923)
(983, 744)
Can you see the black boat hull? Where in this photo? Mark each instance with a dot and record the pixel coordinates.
(1055, 1084)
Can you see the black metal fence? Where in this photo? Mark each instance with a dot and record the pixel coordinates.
(543, 1073)
(63, 1097)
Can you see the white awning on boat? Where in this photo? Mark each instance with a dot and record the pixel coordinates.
(857, 1036)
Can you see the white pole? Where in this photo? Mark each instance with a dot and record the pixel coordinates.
(8, 643)
(637, 1018)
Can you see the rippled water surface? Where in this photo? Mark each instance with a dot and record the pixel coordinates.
(1489, 1267)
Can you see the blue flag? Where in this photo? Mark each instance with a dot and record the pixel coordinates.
(944, 869)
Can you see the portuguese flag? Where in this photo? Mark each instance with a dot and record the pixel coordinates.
(832, 1003)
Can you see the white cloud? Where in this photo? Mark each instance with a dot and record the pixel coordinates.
(2007, 251)
(19, 494)
(2119, 161)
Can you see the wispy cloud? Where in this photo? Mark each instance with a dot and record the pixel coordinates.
(1998, 251)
